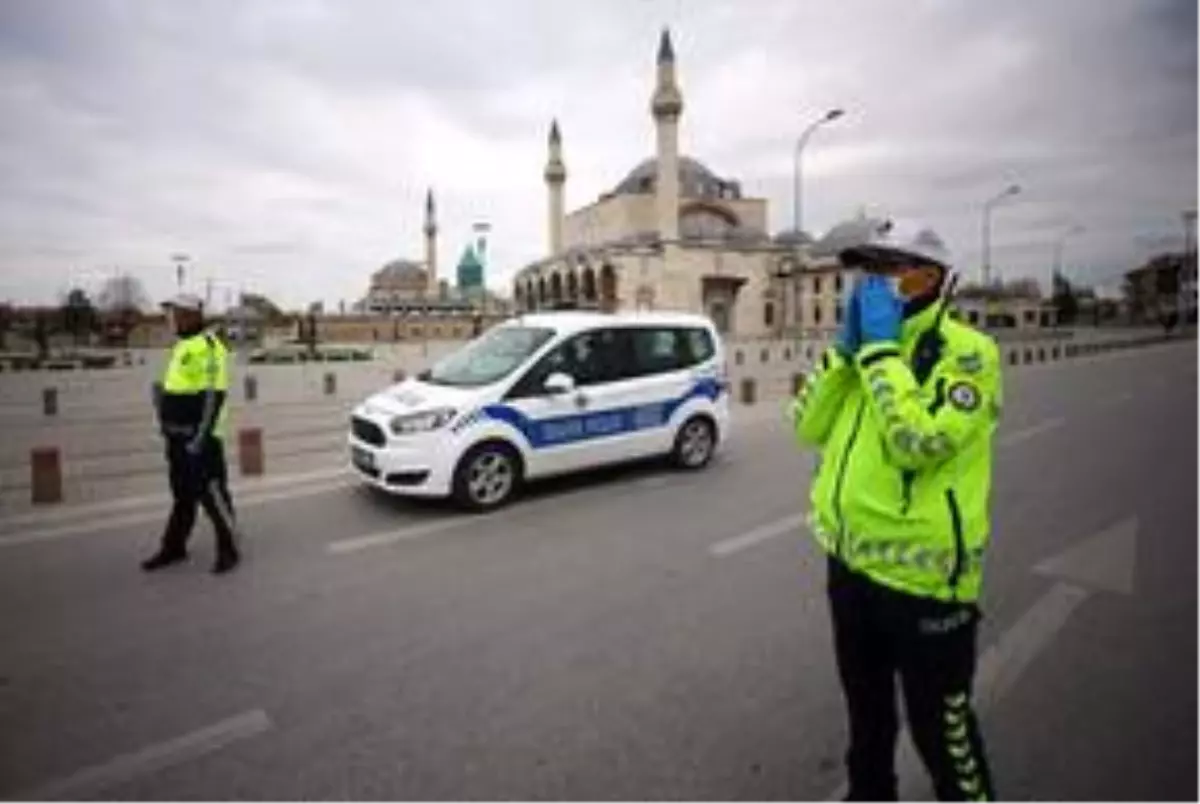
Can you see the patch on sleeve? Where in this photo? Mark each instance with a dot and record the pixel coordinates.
(964, 396)
(971, 363)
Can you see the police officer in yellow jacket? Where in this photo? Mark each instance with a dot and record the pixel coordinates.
(192, 410)
(903, 410)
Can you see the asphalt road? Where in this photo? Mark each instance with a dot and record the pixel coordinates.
(635, 635)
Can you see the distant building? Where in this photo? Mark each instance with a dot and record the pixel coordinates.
(1013, 305)
(409, 289)
(1164, 286)
(470, 274)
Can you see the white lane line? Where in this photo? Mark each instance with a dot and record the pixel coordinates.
(353, 545)
(1010, 439)
(76, 529)
(90, 781)
(763, 533)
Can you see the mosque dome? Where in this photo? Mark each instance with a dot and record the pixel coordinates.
(696, 180)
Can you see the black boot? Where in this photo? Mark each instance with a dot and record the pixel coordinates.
(226, 562)
(163, 558)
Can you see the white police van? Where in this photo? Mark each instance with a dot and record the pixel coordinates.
(545, 394)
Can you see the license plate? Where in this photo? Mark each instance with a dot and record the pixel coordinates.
(362, 459)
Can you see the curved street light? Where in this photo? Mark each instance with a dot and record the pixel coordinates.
(1008, 192)
(801, 141)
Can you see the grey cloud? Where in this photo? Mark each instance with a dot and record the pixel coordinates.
(268, 135)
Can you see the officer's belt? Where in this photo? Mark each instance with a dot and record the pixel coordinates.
(179, 429)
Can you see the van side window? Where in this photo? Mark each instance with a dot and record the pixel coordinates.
(657, 351)
(590, 358)
(699, 344)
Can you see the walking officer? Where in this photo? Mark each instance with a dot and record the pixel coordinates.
(903, 410)
(192, 405)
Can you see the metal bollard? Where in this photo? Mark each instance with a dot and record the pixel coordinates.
(330, 384)
(797, 384)
(250, 387)
(748, 391)
(250, 451)
(45, 475)
(50, 401)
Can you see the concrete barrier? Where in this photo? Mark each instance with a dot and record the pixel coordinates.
(45, 475)
(250, 452)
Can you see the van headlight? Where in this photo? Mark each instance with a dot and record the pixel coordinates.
(421, 422)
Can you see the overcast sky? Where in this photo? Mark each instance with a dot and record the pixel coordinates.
(286, 145)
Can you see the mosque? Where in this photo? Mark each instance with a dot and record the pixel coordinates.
(675, 235)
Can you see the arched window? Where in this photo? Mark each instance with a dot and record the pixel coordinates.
(556, 289)
(608, 287)
(589, 284)
(769, 314)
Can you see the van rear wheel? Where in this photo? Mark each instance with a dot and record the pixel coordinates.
(695, 444)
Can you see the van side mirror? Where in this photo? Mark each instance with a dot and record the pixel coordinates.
(559, 383)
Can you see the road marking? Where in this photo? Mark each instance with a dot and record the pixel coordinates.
(1105, 561)
(411, 533)
(75, 529)
(1010, 439)
(89, 782)
(763, 533)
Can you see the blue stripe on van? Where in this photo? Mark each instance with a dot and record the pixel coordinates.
(559, 430)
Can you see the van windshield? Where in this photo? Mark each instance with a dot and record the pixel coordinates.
(489, 358)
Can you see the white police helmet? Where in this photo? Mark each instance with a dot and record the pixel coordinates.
(896, 241)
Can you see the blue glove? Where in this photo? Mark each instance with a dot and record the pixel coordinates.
(880, 309)
(850, 336)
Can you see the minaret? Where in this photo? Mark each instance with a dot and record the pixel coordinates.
(667, 107)
(556, 177)
(431, 274)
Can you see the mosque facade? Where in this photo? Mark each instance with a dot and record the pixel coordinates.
(673, 234)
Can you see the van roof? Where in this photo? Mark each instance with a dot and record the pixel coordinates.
(569, 320)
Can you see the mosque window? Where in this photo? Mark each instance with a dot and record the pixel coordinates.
(816, 285)
(817, 314)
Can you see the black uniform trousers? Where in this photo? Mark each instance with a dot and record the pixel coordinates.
(199, 479)
(879, 635)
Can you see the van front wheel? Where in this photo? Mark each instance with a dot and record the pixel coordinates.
(695, 444)
(487, 477)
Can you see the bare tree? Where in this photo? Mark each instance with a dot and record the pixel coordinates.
(123, 302)
(78, 314)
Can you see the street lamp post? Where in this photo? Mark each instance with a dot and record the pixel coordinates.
(801, 141)
(1059, 245)
(180, 261)
(1187, 283)
(1008, 192)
